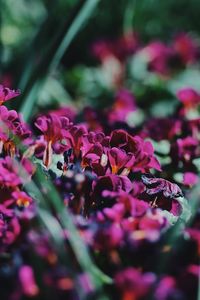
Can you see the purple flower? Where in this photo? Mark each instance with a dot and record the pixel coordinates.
(142, 150)
(189, 97)
(185, 150)
(53, 128)
(21, 199)
(7, 94)
(166, 288)
(108, 237)
(9, 226)
(158, 56)
(92, 156)
(13, 174)
(155, 186)
(132, 284)
(11, 123)
(120, 160)
(123, 105)
(190, 179)
(27, 281)
(187, 48)
(162, 128)
(113, 183)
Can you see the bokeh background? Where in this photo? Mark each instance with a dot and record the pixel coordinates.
(45, 46)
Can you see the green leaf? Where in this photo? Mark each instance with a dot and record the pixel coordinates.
(53, 54)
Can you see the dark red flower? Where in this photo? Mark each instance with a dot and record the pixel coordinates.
(187, 48)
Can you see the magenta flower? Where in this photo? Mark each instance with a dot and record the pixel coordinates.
(110, 183)
(12, 124)
(13, 174)
(190, 179)
(92, 156)
(27, 281)
(166, 288)
(162, 128)
(142, 150)
(126, 45)
(187, 48)
(7, 94)
(123, 105)
(189, 97)
(75, 138)
(21, 199)
(120, 160)
(185, 150)
(155, 186)
(9, 226)
(53, 128)
(102, 49)
(158, 56)
(120, 48)
(108, 237)
(115, 213)
(132, 284)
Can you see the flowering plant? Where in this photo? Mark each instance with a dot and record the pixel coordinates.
(99, 196)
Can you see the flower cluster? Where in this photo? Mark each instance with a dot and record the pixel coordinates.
(125, 192)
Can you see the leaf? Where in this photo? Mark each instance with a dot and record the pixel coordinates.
(53, 54)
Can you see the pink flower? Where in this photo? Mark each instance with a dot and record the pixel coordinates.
(185, 150)
(12, 124)
(189, 97)
(53, 128)
(110, 183)
(9, 226)
(166, 288)
(162, 128)
(159, 185)
(132, 284)
(142, 150)
(120, 160)
(27, 280)
(158, 57)
(92, 156)
(108, 237)
(75, 138)
(187, 48)
(21, 198)
(190, 179)
(7, 94)
(13, 174)
(123, 105)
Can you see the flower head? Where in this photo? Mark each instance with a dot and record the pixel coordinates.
(7, 94)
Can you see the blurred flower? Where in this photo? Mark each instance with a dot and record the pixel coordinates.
(189, 97)
(166, 288)
(186, 47)
(158, 57)
(21, 198)
(132, 284)
(27, 280)
(190, 179)
(7, 94)
(124, 104)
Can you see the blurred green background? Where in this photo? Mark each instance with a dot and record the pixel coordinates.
(42, 41)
